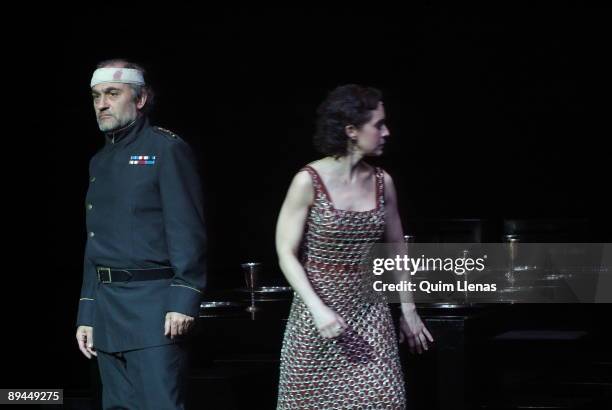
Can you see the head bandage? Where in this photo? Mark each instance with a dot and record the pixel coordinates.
(117, 75)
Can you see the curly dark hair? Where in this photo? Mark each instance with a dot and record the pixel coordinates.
(138, 89)
(349, 104)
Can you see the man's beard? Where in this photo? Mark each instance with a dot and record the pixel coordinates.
(111, 124)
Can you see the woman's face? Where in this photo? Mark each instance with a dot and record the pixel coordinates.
(370, 138)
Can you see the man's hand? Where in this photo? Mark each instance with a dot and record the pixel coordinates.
(177, 324)
(84, 335)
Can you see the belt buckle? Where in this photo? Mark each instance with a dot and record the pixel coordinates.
(110, 279)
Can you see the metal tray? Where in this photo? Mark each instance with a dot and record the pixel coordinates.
(267, 289)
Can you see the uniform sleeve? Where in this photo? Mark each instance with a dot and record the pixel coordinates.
(181, 198)
(87, 301)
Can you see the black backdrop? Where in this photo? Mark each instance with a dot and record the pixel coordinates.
(494, 113)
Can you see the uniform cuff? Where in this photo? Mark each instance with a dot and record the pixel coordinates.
(185, 300)
(86, 312)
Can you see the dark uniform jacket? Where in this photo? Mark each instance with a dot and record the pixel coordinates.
(144, 210)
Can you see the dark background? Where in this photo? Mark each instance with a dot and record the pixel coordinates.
(495, 112)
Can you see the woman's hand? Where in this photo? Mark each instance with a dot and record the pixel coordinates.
(414, 331)
(328, 323)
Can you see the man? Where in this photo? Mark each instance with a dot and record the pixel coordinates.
(144, 258)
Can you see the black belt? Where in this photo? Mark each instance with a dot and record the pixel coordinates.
(110, 275)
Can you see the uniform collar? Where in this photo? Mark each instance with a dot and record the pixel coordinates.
(127, 133)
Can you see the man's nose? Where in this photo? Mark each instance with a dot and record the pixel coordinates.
(101, 104)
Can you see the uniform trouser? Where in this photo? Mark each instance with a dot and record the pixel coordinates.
(153, 378)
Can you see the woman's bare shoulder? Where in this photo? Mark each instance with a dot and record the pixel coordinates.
(301, 190)
(302, 179)
(320, 165)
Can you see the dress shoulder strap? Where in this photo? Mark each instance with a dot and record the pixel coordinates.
(317, 182)
(380, 187)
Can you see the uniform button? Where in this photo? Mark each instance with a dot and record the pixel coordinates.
(89, 207)
(91, 234)
(92, 179)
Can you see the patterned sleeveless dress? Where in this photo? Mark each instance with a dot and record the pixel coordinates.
(359, 369)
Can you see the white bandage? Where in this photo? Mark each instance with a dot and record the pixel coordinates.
(117, 75)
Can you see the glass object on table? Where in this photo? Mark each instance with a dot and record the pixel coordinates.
(409, 238)
(251, 276)
(512, 241)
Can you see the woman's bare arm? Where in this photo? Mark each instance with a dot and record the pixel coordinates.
(289, 232)
(411, 327)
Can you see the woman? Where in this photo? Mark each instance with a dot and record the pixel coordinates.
(339, 350)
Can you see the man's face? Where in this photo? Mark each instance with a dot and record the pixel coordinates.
(115, 105)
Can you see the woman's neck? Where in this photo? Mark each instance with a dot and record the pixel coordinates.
(347, 166)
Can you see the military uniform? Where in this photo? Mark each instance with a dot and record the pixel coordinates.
(144, 257)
